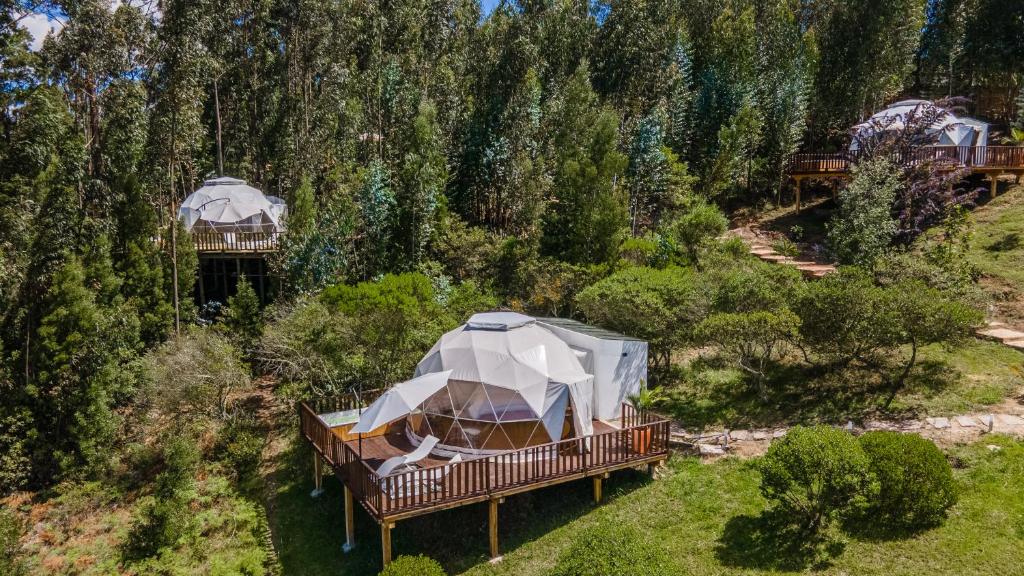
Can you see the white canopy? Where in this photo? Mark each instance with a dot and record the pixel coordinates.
(230, 205)
(951, 130)
(399, 401)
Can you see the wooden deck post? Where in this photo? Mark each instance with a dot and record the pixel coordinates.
(492, 526)
(350, 522)
(799, 182)
(385, 541)
(318, 477)
(597, 489)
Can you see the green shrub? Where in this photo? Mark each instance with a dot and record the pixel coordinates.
(815, 474)
(166, 518)
(612, 549)
(241, 449)
(864, 227)
(915, 482)
(413, 566)
(11, 527)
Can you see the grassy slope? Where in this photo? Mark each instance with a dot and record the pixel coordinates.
(998, 251)
(80, 529)
(705, 515)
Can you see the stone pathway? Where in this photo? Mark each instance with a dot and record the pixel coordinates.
(996, 331)
(942, 430)
(763, 250)
(1002, 333)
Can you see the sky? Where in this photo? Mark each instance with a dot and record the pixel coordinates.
(489, 5)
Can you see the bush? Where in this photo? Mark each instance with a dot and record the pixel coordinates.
(753, 339)
(11, 563)
(864, 227)
(659, 306)
(815, 474)
(612, 549)
(915, 481)
(193, 375)
(413, 566)
(167, 519)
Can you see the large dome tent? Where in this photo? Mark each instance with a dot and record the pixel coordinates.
(512, 383)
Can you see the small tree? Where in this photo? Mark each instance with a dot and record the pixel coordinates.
(698, 224)
(11, 528)
(754, 339)
(864, 227)
(243, 318)
(816, 474)
(660, 306)
(166, 519)
(192, 376)
(302, 211)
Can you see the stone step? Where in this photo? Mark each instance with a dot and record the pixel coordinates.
(1001, 334)
(762, 251)
(774, 258)
(1018, 344)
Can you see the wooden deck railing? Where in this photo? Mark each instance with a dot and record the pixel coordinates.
(1010, 157)
(234, 242)
(644, 436)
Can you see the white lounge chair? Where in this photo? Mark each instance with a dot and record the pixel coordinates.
(400, 463)
(428, 481)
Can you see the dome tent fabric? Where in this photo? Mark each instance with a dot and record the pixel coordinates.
(510, 386)
(950, 129)
(229, 205)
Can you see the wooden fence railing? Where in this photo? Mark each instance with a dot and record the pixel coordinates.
(255, 242)
(962, 156)
(644, 437)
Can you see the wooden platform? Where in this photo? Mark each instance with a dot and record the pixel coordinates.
(637, 439)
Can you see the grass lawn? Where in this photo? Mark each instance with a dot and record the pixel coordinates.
(972, 377)
(998, 248)
(706, 516)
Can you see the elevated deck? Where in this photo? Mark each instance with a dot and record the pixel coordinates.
(236, 243)
(992, 161)
(636, 439)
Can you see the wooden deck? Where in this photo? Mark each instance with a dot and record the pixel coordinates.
(636, 439)
(984, 159)
(237, 243)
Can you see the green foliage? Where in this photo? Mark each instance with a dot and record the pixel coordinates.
(394, 321)
(302, 209)
(413, 566)
(864, 227)
(240, 445)
(167, 519)
(754, 339)
(916, 485)
(659, 306)
(81, 351)
(697, 224)
(816, 474)
(192, 376)
(11, 528)
(243, 319)
(646, 398)
(611, 549)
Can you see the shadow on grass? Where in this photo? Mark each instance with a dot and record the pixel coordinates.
(797, 394)
(309, 532)
(771, 541)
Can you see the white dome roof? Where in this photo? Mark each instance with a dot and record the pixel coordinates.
(230, 205)
(524, 357)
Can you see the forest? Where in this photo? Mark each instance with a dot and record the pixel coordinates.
(577, 158)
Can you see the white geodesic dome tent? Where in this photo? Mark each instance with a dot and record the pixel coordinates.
(229, 205)
(951, 129)
(511, 385)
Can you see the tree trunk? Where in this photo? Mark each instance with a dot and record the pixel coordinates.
(220, 149)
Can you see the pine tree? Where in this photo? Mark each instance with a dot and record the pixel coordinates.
(302, 212)
(377, 204)
(681, 98)
(79, 374)
(243, 318)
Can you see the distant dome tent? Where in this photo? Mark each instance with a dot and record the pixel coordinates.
(229, 205)
(950, 129)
